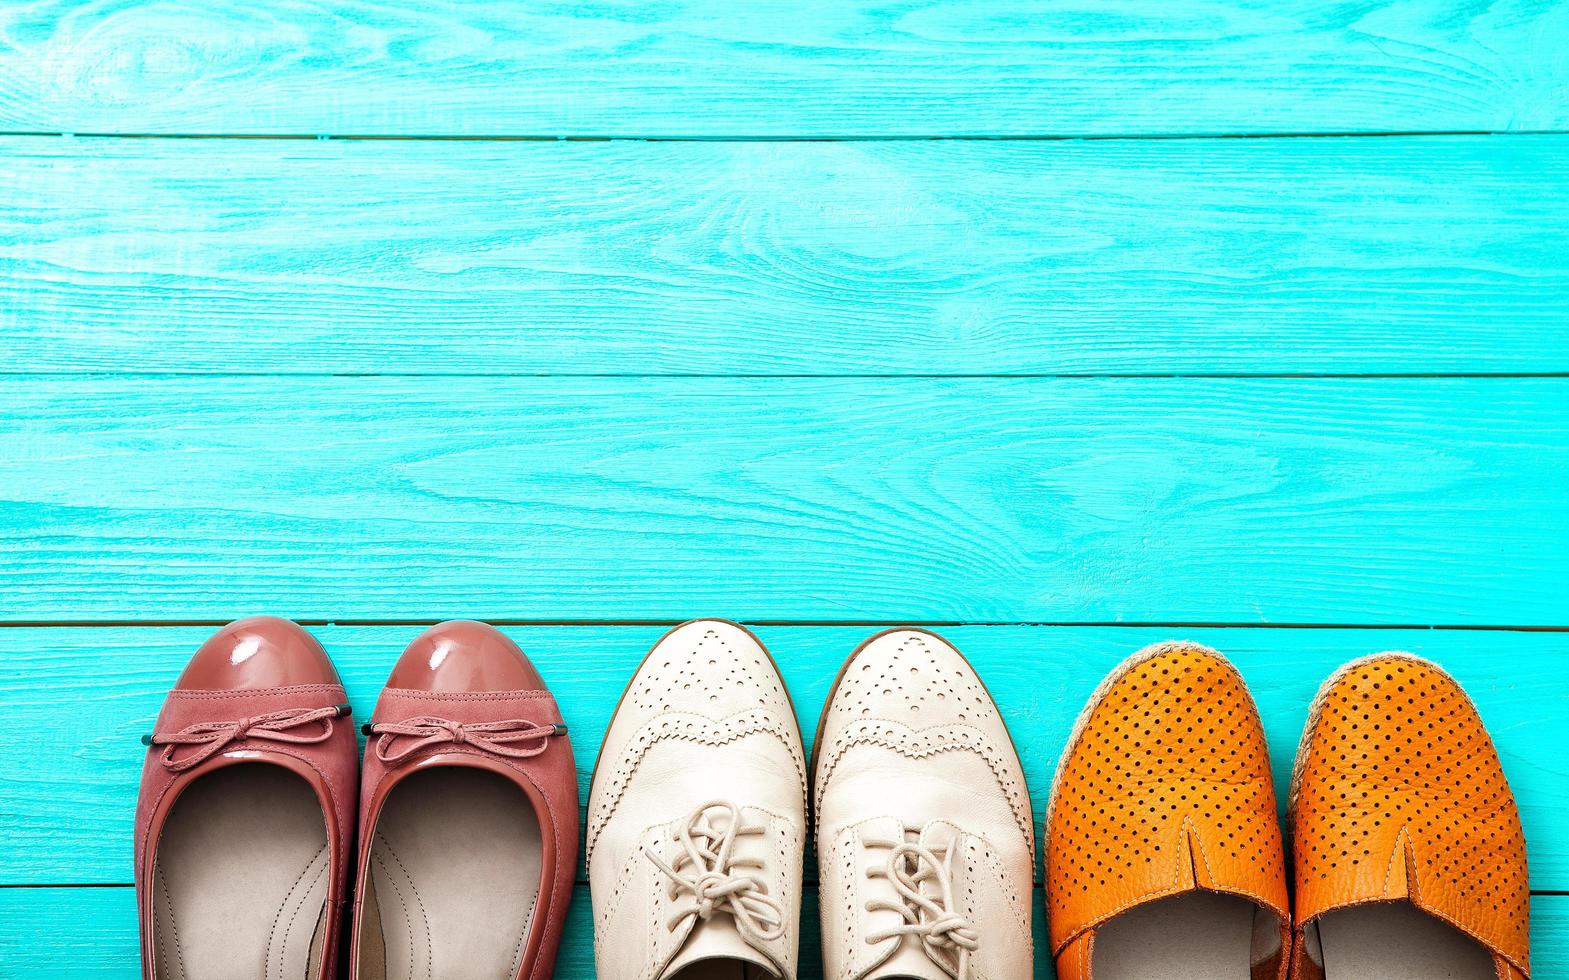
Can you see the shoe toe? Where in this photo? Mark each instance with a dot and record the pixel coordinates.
(1397, 788)
(1386, 713)
(1173, 710)
(1165, 786)
(708, 667)
(461, 656)
(913, 677)
(255, 653)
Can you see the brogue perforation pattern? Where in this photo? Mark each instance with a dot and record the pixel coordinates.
(761, 721)
(921, 744)
(918, 704)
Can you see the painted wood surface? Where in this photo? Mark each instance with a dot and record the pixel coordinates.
(84, 696)
(1441, 254)
(90, 934)
(707, 68)
(743, 315)
(1371, 501)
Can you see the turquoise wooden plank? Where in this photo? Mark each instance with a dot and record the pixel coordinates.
(85, 695)
(90, 934)
(1431, 255)
(1421, 502)
(708, 68)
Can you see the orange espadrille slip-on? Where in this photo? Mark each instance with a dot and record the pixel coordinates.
(1410, 860)
(1164, 855)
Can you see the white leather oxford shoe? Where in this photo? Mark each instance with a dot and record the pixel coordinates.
(925, 837)
(697, 816)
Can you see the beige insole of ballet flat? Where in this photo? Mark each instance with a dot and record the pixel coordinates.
(454, 879)
(1194, 936)
(1398, 941)
(240, 879)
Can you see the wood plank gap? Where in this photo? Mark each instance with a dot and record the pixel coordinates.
(858, 376)
(741, 138)
(807, 623)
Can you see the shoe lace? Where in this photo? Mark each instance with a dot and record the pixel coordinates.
(706, 866)
(947, 937)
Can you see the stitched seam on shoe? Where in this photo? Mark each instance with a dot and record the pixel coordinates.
(601, 928)
(271, 932)
(517, 952)
(247, 693)
(785, 823)
(1094, 922)
(415, 694)
(845, 740)
(163, 884)
(853, 846)
(1398, 854)
(413, 890)
(753, 721)
(784, 831)
(656, 958)
(403, 907)
(1224, 887)
(1416, 899)
(896, 742)
(988, 851)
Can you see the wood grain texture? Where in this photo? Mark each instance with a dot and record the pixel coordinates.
(90, 934)
(1422, 255)
(84, 696)
(1372, 501)
(818, 68)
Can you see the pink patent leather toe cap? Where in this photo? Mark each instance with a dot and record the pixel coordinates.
(257, 652)
(462, 656)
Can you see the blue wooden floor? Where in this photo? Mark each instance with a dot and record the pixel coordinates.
(1061, 328)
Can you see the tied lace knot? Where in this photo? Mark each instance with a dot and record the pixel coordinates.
(923, 881)
(709, 888)
(212, 737)
(707, 867)
(515, 738)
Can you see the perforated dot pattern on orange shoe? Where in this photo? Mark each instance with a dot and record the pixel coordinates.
(1398, 793)
(1165, 786)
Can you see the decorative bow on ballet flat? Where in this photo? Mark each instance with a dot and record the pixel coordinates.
(213, 737)
(500, 737)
